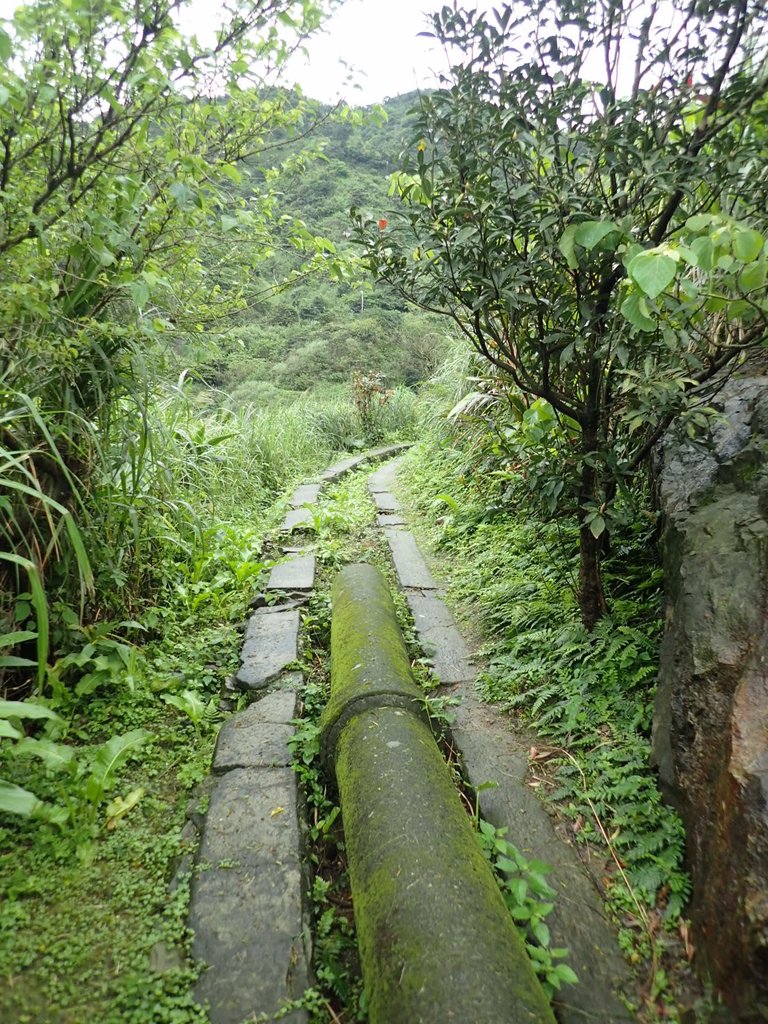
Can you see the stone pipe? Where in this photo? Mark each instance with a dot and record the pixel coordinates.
(436, 940)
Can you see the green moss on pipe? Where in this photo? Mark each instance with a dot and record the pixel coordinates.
(436, 940)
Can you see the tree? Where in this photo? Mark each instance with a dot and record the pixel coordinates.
(585, 197)
(126, 218)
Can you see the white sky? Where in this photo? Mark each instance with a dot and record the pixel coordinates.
(367, 51)
(378, 38)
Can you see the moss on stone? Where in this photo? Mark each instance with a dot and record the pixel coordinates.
(436, 940)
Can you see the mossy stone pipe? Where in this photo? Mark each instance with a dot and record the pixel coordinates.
(436, 941)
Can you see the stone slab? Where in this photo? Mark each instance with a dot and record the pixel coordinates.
(297, 519)
(246, 903)
(338, 470)
(390, 519)
(298, 573)
(411, 569)
(440, 639)
(307, 494)
(386, 502)
(271, 644)
(264, 745)
(384, 479)
(258, 736)
(490, 752)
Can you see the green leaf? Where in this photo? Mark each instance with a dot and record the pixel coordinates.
(15, 800)
(591, 232)
(567, 243)
(54, 755)
(114, 753)
(747, 245)
(704, 252)
(634, 309)
(139, 293)
(566, 974)
(8, 731)
(25, 709)
(652, 271)
(6, 47)
(753, 276)
(12, 661)
(597, 526)
(700, 221)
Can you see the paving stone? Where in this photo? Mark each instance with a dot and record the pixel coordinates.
(264, 745)
(271, 644)
(298, 573)
(338, 470)
(307, 494)
(258, 736)
(246, 903)
(492, 753)
(412, 570)
(390, 519)
(297, 519)
(384, 479)
(386, 502)
(440, 638)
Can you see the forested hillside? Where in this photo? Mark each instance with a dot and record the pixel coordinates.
(306, 330)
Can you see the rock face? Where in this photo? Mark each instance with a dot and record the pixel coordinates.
(711, 716)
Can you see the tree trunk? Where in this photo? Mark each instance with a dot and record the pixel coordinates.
(591, 595)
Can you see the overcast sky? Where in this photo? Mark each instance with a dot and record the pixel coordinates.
(376, 38)
(379, 38)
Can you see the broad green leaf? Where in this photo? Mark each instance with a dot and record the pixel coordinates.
(652, 271)
(747, 245)
(25, 709)
(15, 800)
(700, 221)
(8, 731)
(591, 232)
(13, 661)
(567, 243)
(54, 755)
(634, 309)
(597, 526)
(6, 47)
(114, 753)
(566, 974)
(753, 276)
(704, 251)
(139, 293)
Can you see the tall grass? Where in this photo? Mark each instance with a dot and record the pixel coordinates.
(131, 491)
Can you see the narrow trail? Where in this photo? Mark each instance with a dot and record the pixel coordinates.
(248, 906)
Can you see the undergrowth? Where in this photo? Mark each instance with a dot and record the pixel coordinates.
(589, 696)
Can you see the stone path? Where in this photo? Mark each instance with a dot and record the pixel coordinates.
(247, 907)
(247, 910)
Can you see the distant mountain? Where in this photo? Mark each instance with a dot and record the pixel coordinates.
(317, 332)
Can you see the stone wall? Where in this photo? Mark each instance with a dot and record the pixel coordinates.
(711, 718)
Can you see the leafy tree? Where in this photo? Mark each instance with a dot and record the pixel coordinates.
(585, 197)
(125, 220)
